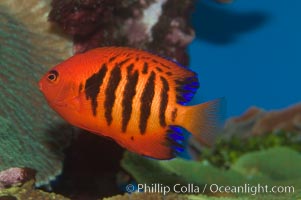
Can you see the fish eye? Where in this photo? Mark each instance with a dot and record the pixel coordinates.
(52, 75)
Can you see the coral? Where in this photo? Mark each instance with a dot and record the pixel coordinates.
(252, 168)
(32, 14)
(14, 176)
(159, 26)
(32, 135)
(26, 191)
(257, 122)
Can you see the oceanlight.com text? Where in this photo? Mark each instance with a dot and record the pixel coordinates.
(250, 189)
(209, 188)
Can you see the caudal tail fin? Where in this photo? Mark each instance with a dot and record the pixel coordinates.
(204, 120)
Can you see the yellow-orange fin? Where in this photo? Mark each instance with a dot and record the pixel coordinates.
(204, 120)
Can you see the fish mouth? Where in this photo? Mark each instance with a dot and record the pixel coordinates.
(69, 102)
(60, 103)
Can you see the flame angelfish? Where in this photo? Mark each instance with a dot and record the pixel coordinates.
(132, 96)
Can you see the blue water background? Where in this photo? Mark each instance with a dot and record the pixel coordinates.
(249, 52)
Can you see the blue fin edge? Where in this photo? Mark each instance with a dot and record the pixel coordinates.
(176, 138)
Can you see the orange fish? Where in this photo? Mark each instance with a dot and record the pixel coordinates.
(132, 96)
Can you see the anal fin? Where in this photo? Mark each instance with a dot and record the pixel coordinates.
(176, 139)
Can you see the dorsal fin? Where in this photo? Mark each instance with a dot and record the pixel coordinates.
(186, 83)
(186, 89)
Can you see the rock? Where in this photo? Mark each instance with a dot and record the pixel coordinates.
(286, 119)
(159, 26)
(242, 125)
(27, 191)
(14, 176)
(256, 121)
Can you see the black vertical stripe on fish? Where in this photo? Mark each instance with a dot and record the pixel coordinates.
(155, 61)
(174, 114)
(146, 102)
(128, 54)
(164, 101)
(130, 68)
(168, 73)
(159, 69)
(110, 95)
(128, 95)
(92, 86)
(113, 58)
(145, 68)
(124, 61)
(165, 65)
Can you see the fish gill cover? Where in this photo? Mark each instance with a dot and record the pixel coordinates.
(31, 134)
